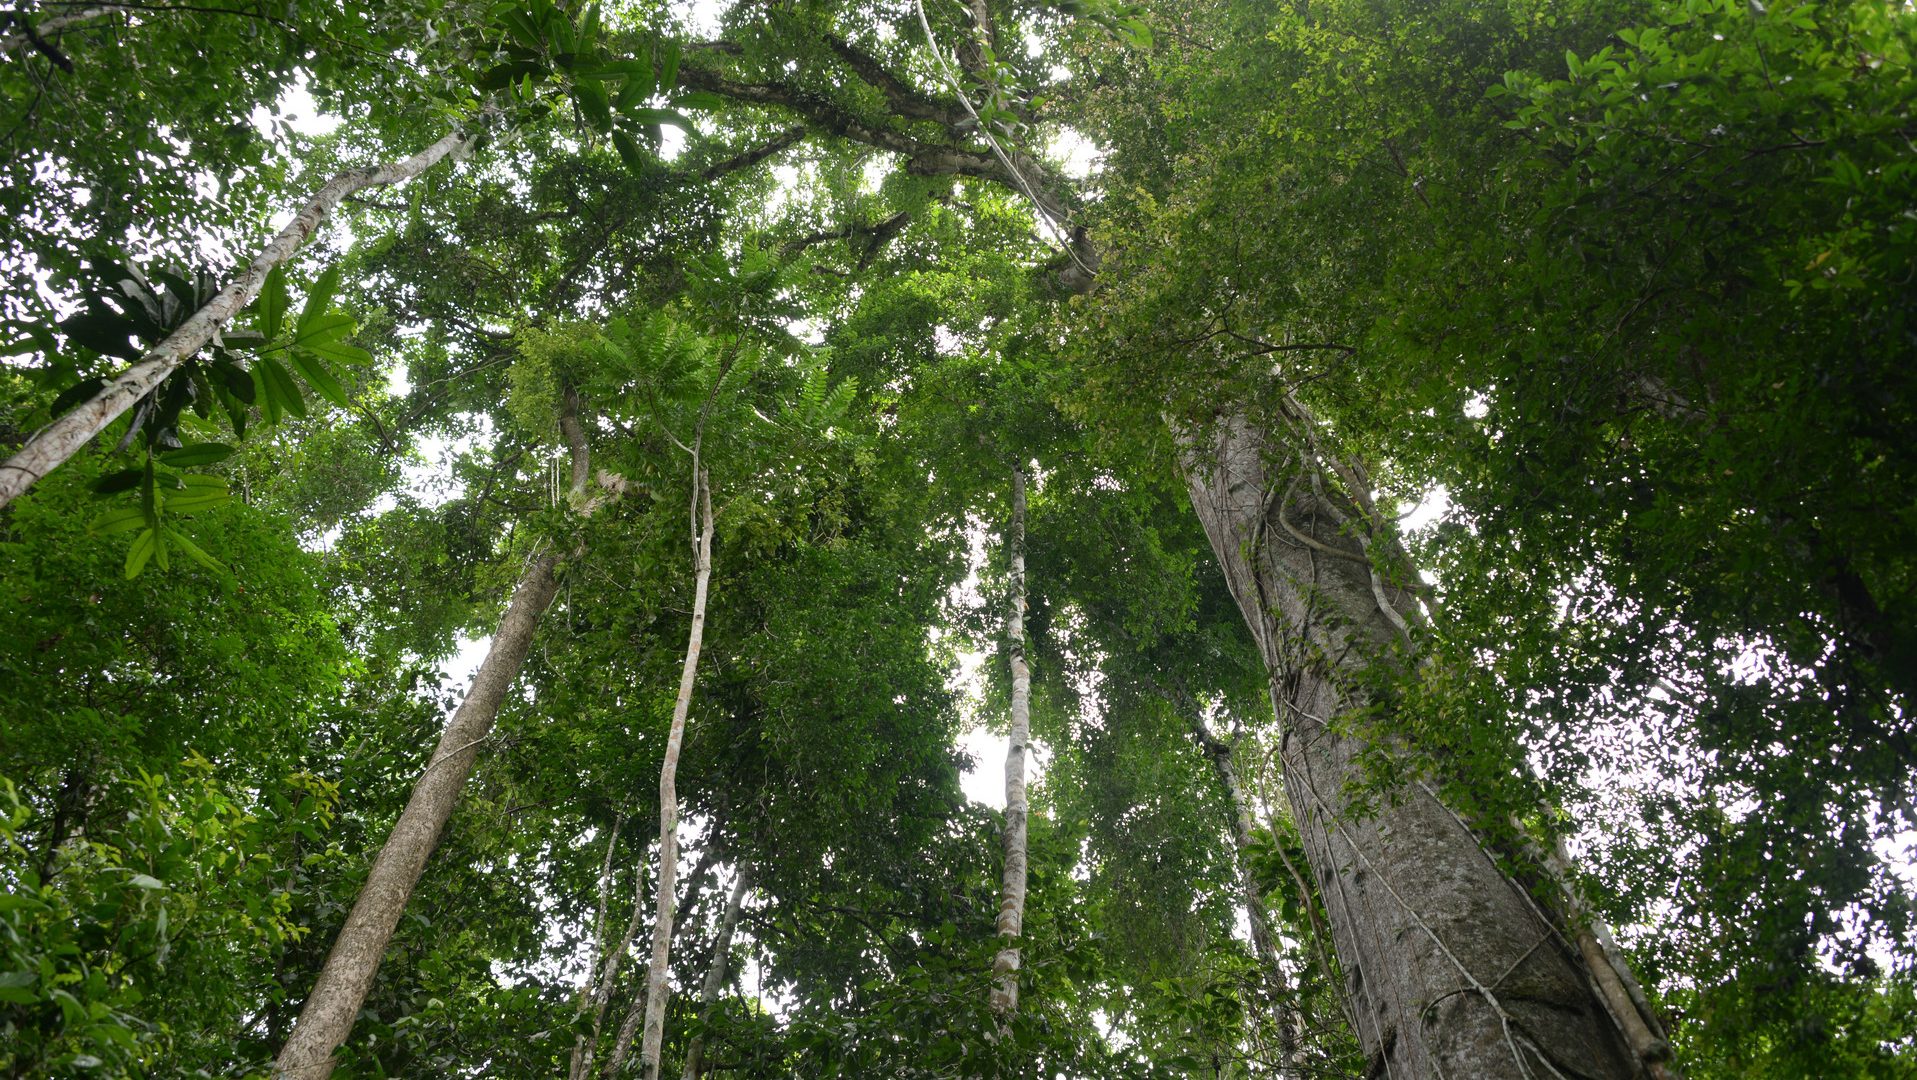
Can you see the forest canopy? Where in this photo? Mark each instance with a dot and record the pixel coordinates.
(529, 532)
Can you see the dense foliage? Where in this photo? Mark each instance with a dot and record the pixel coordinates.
(1617, 295)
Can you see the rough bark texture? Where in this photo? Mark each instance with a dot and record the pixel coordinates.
(334, 1003)
(653, 1039)
(347, 975)
(716, 972)
(1011, 905)
(52, 445)
(1450, 968)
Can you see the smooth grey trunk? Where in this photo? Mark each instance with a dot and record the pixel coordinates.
(1011, 906)
(52, 445)
(1451, 969)
(334, 1003)
(716, 972)
(586, 1044)
(653, 1039)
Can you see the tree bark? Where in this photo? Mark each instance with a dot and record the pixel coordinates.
(1011, 907)
(339, 991)
(586, 1044)
(52, 445)
(657, 988)
(1450, 967)
(716, 972)
(629, 1027)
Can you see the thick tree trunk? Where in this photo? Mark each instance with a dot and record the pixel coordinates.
(52, 445)
(657, 989)
(1450, 967)
(348, 973)
(1011, 906)
(716, 971)
(327, 1017)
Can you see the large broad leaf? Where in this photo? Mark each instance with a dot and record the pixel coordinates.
(75, 394)
(320, 379)
(198, 454)
(593, 103)
(319, 298)
(103, 330)
(124, 519)
(196, 553)
(339, 351)
(117, 481)
(630, 151)
(142, 550)
(281, 391)
(318, 328)
(273, 303)
(661, 116)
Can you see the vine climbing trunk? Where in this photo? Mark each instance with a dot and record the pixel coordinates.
(1451, 968)
(344, 979)
(1011, 905)
(716, 973)
(52, 445)
(653, 1039)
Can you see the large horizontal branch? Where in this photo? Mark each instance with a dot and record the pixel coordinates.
(905, 100)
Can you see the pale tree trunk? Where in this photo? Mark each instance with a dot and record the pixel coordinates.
(1011, 905)
(1451, 969)
(716, 972)
(586, 1044)
(52, 445)
(339, 991)
(629, 1027)
(1263, 941)
(653, 1039)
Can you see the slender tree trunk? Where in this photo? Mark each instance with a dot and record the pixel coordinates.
(52, 445)
(716, 972)
(1011, 905)
(657, 989)
(629, 1027)
(586, 1045)
(1450, 967)
(339, 991)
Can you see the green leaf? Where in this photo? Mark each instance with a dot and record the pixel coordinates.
(661, 116)
(195, 501)
(140, 552)
(198, 454)
(320, 379)
(75, 394)
(125, 519)
(197, 553)
(272, 303)
(102, 330)
(669, 66)
(594, 105)
(322, 328)
(282, 391)
(319, 298)
(700, 99)
(117, 481)
(340, 351)
(630, 151)
(145, 881)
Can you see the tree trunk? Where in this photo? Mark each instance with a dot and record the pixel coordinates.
(656, 977)
(716, 972)
(1011, 907)
(52, 445)
(327, 1017)
(586, 1044)
(629, 1027)
(1450, 967)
